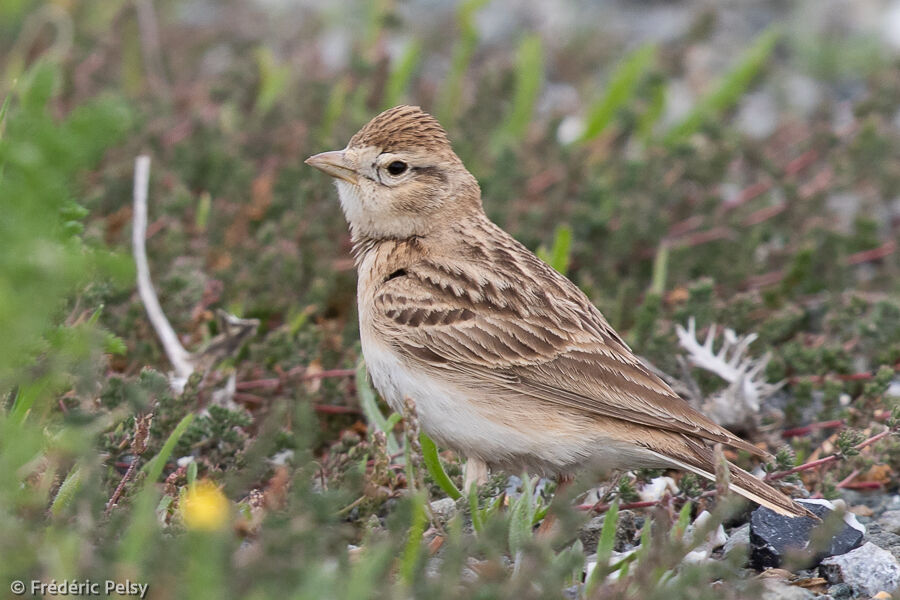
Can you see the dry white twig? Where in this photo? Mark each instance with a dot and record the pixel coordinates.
(747, 388)
(235, 331)
(178, 356)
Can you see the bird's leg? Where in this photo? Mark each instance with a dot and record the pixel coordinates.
(612, 487)
(549, 525)
(476, 472)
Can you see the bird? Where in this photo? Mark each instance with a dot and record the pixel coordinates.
(508, 362)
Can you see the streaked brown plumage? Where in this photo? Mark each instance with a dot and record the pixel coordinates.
(508, 361)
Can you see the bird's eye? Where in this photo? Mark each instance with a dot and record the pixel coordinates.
(396, 168)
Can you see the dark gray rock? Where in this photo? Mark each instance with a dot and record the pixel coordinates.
(868, 570)
(626, 532)
(774, 537)
(774, 589)
(841, 591)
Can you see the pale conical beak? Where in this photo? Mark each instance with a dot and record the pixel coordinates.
(332, 163)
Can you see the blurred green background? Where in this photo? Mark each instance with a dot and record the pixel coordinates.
(735, 162)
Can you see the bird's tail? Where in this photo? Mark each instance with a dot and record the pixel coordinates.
(742, 483)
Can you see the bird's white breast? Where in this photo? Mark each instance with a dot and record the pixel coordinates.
(450, 417)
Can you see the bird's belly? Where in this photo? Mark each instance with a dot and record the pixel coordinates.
(449, 415)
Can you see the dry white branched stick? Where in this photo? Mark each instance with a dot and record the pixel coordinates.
(178, 356)
(747, 388)
(235, 331)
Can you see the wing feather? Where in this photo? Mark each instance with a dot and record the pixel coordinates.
(526, 330)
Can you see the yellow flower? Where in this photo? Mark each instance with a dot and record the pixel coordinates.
(204, 507)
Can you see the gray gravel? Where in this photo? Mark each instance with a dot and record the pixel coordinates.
(867, 570)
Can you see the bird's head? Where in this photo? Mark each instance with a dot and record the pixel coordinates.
(399, 177)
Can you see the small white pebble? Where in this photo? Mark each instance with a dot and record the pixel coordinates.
(570, 129)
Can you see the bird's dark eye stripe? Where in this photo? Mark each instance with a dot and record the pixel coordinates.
(397, 167)
(434, 172)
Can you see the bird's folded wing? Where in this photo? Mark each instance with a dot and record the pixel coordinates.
(539, 337)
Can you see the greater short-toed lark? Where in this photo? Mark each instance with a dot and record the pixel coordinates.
(508, 361)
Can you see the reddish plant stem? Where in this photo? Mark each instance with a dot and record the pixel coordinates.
(863, 485)
(603, 507)
(764, 280)
(763, 214)
(748, 194)
(119, 488)
(840, 377)
(331, 373)
(249, 398)
(682, 227)
(819, 183)
(703, 237)
(827, 460)
(846, 480)
(276, 382)
(257, 383)
(881, 251)
(807, 429)
(331, 409)
(801, 162)
(326, 409)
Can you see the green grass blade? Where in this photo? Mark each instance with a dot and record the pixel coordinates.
(370, 409)
(192, 473)
(619, 91)
(4, 109)
(274, 78)
(529, 77)
(729, 89)
(654, 111)
(562, 249)
(334, 109)
(608, 532)
(142, 526)
(477, 523)
(559, 256)
(604, 548)
(204, 206)
(154, 467)
(398, 81)
(369, 568)
(436, 469)
(660, 269)
(521, 517)
(684, 519)
(451, 95)
(66, 491)
(414, 542)
(26, 396)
